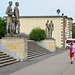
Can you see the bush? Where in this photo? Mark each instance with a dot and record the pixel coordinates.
(73, 30)
(2, 27)
(37, 34)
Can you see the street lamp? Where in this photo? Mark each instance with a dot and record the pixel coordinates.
(58, 11)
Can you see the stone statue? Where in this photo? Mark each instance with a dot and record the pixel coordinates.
(49, 29)
(46, 29)
(16, 14)
(13, 23)
(9, 18)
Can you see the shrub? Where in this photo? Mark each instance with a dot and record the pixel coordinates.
(2, 27)
(37, 34)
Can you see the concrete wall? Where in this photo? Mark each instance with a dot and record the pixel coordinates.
(27, 24)
(16, 47)
(50, 45)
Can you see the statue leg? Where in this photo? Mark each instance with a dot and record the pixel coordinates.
(18, 27)
(10, 28)
(7, 28)
(14, 30)
(49, 34)
(46, 32)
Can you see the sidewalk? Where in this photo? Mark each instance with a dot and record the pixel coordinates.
(56, 65)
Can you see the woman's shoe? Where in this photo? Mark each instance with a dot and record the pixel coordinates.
(71, 62)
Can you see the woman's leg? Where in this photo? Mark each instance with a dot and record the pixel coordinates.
(72, 59)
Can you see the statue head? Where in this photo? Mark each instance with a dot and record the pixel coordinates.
(10, 3)
(51, 21)
(47, 20)
(17, 4)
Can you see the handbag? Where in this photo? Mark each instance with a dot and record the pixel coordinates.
(73, 49)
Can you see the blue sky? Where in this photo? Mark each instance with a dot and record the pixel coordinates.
(41, 7)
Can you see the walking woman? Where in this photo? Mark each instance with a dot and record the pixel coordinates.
(70, 52)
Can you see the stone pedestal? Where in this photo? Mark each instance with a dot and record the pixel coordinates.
(49, 44)
(15, 47)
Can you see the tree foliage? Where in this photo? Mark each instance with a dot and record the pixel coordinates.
(37, 34)
(2, 26)
(73, 30)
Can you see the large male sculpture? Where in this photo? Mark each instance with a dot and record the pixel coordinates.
(47, 29)
(16, 14)
(9, 18)
(51, 27)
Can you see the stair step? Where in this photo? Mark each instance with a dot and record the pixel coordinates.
(29, 57)
(38, 51)
(9, 60)
(3, 54)
(5, 58)
(8, 63)
(35, 50)
(36, 54)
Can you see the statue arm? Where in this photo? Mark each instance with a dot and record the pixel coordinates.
(52, 27)
(8, 12)
(47, 25)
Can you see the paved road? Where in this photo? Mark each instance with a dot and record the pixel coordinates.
(7, 70)
(56, 65)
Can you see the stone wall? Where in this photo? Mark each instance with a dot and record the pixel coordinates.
(16, 47)
(50, 45)
(28, 23)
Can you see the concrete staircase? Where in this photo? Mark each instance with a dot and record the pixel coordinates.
(35, 50)
(6, 59)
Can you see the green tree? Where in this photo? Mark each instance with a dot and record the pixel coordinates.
(37, 34)
(2, 27)
(73, 30)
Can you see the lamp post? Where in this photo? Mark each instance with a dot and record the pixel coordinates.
(63, 31)
(58, 11)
